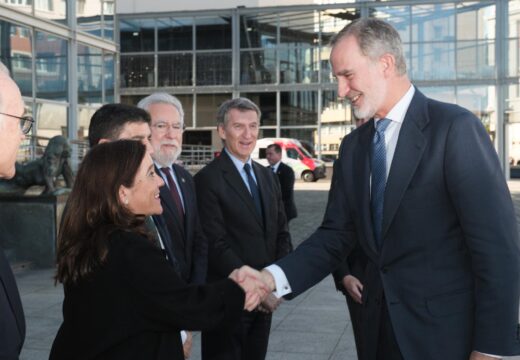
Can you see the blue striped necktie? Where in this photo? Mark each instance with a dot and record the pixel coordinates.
(378, 178)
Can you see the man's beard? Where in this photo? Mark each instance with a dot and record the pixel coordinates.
(167, 158)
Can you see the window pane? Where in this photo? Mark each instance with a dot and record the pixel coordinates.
(258, 66)
(108, 19)
(299, 64)
(265, 133)
(258, 31)
(444, 93)
(480, 100)
(333, 20)
(514, 57)
(175, 33)
(137, 71)
(109, 61)
(137, 35)
(299, 28)
(20, 5)
(299, 108)
(16, 53)
(88, 13)
(51, 67)
(175, 70)
(475, 21)
(89, 75)
(475, 59)
(84, 115)
(267, 104)
(214, 68)
(207, 105)
(51, 10)
(51, 120)
(214, 33)
(187, 106)
(307, 136)
(336, 122)
(433, 61)
(398, 16)
(437, 27)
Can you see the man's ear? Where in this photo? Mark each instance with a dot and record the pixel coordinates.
(221, 131)
(103, 140)
(388, 63)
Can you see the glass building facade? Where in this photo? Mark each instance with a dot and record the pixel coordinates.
(466, 52)
(62, 54)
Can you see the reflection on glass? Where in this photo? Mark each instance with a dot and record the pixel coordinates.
(16, 53)
(84, 115)
(398, 16)
(137, 71)
(299, 27)
(214, 68)
(175, 70)
(306, 136)
(475, 21)
(136, 35)
(51, 10)
(513, 64)
(440, 27)
(440, 93)
(514, 23)
(258, 66)
(89, 75)
(88, 14)
(213, 33)
(258, 31)
(51, 119)
(475, 59)
(51, 67)
(109, 74)
(336, 122)
(299, 107)
(207, 105)
(333, 20)
(267, 104)
(299, 64)
(175, 33)
(433, 61)
(20, 5)
(108, 19)
(480, 100)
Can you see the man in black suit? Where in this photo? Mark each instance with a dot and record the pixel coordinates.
(285, 174)
(421, 189)
(241, 212)
(12, 321)
(178, 197)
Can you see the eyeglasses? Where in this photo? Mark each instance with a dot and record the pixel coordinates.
(164, 127)
(26, 122)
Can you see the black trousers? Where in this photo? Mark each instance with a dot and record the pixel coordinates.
(354, 310)
(387, 347)
(248, 341)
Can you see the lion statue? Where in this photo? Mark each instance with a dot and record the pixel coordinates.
(44, 171)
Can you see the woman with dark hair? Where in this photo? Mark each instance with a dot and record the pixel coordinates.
(122, 298)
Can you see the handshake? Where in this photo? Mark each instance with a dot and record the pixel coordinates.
(258, 286)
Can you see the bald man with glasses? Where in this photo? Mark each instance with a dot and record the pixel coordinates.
(13, 128)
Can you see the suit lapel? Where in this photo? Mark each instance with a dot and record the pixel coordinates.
(263, 187)
(408, 153)
(231, 175)
(166, 197)
(362, 182)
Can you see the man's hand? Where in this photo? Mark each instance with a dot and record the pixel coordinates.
(475, 355)
(253, 285)
(270, 304)
(268, 279)
(354, 287)
(186, 346)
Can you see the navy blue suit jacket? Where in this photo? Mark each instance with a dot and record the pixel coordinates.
(12, 322)
(448, 268)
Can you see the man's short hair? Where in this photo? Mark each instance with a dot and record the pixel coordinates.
(277, 148)
(161, 98)
(375, 38)
(241, 104)
(109, 120)
(4, 70)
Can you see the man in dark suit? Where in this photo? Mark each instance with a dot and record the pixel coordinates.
(12, 126)
(178, 196)
(421, 188)
(285, 174)
(241, 212)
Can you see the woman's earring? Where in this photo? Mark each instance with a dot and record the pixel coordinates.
(126, 201)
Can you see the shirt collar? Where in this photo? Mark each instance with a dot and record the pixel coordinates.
(239, 164)
(275, 166)
(398, 112)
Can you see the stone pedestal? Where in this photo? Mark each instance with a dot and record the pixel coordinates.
(29, 226)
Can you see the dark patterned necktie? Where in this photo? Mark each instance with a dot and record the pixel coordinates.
(255, 193)
(175, 193)
(378, 178)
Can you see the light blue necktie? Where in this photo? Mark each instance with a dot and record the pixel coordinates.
(378, 178)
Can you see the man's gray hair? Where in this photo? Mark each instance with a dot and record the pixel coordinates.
(241, 104)
(161, 98)
(375, 38)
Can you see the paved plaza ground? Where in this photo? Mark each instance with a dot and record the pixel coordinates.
(314, 326)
